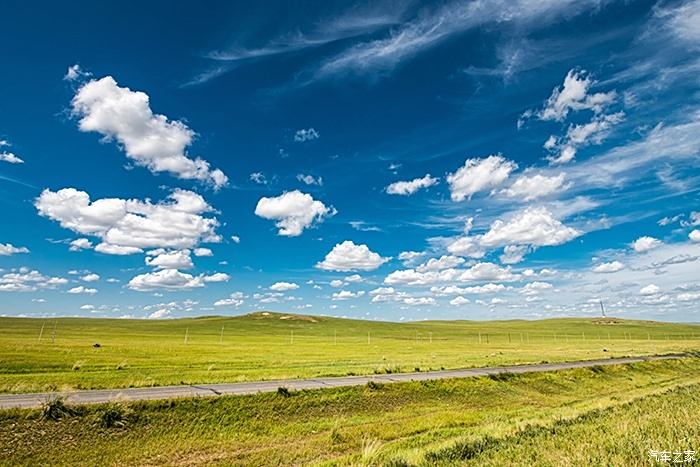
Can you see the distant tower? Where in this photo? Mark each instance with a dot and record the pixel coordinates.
(602, 310)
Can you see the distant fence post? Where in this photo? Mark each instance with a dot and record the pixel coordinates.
(41, 333)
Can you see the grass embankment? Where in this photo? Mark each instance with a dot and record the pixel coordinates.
(502, 420)
(135, 353)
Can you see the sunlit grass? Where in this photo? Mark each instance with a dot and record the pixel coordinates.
(573, 417)
(135, 353)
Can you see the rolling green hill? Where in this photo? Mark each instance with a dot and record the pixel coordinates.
(266, 345)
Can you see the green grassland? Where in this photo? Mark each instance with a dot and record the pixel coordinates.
(136, 353)
(594, 416)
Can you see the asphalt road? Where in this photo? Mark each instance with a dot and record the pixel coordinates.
(97, 396)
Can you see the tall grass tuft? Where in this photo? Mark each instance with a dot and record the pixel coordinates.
(55, 409)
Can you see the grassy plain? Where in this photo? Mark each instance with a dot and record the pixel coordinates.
(137, 353)
(595, 416)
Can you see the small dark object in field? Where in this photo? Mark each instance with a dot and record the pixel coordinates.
(54, 408)
(97, 345)
(284, 392)
(417, 369)
(114, 416)
(502, 377)
(597, 369)
(373, 385)
(605, 350)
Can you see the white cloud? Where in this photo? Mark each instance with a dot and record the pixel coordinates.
(91, 277)
(346, 295)
(479, 175)
(25, 280)
(82, 290)
(409, 258)
(479, 272)
(477, 289)
(347, 256)
(11, 158)
(694, 236)
(87, 307)
(574, 96)
(235, 239)
(310, 179)
(534, 288)
(459, 301)
(651, 289)
(644, 244)
(593, 132)
(151, 140)
(304, 135)
(613, 266)
(336, 283)
(172, 279)
(80, 244)
(410, 187)
(159, 314)
(8, 249)
(419, 301)
(534, 226)
(127, 226)
(528, 188)
(438, 264)
(202, 252)
(435, 25)
(467, 246)
(354, 278)
(75, 72)
(177, 259)
(258, 177)
(284, 286)
(513, 254)
(294, 211)
(236, 299)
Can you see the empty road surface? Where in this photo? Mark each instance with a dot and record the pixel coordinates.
(97, 396)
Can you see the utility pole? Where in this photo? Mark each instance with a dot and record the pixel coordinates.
(602, 309)
(41, 333)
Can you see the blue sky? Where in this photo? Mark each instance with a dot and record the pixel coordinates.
(383, 160)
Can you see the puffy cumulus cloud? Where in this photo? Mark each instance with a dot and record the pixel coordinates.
(419, 301)
(479, 272)
(530, 187)
(90, 277)
(306, 134)
(534, 226)
(294, 211)
(513, 254)
(160, 314)
(477, 289)
(150, 140)
(409, 258)
(236, 299)
(337, 283)
(488, 272)
(82, 290)
(574, 95)
(563, 150)
(284, 286)
(354, 278)
(347, 256)
(651, 289)
(438, 264)
(606, 268)
(479, 175)
(310, 179)
(694, 236)
(7, 249)
(172, 279)
(26, 280)
(534, 288)
(201, 252)
(346, 295)
(459, 301)
(128, 226)
(410, 187)
(80, 244)
(468, 246)
(644, 244)
(177, 259)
